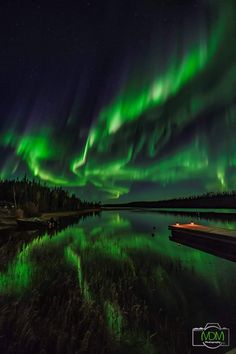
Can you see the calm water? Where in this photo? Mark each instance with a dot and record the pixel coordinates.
(116, 282)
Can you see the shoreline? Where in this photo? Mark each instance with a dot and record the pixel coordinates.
(64, 214)
(10, 222)
(191, 212)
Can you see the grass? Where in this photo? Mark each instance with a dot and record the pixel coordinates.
(89, 293)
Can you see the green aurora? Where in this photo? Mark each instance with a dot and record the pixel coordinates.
(176, 130)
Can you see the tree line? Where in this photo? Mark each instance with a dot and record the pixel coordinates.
(211, 200)
(32, 195)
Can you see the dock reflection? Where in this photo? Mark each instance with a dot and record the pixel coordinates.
(220, 249)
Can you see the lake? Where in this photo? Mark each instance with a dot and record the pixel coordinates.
(114, 283)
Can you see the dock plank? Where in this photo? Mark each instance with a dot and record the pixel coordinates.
(206, 230)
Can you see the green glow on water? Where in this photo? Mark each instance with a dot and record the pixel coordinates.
(17, 276)
(19, 273)
(114, 240)
(114, 319)
(124, 279)
(75, 260)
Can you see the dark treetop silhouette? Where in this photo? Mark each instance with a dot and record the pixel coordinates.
(37, 197)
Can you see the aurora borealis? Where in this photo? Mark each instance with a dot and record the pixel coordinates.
(125, 100)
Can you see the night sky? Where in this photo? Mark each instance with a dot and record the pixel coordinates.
(119, 100)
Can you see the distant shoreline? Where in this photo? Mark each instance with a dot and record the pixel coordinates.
(202, 214)
(225, 200)
(140, 206)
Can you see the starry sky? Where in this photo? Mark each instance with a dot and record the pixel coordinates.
(119, 100)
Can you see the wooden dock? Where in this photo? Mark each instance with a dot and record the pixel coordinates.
(213, 240)
(217, 241)
(206, 232)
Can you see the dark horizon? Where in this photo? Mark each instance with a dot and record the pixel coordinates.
(208, 200)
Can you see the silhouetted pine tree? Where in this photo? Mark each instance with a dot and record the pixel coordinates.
(42, 197)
